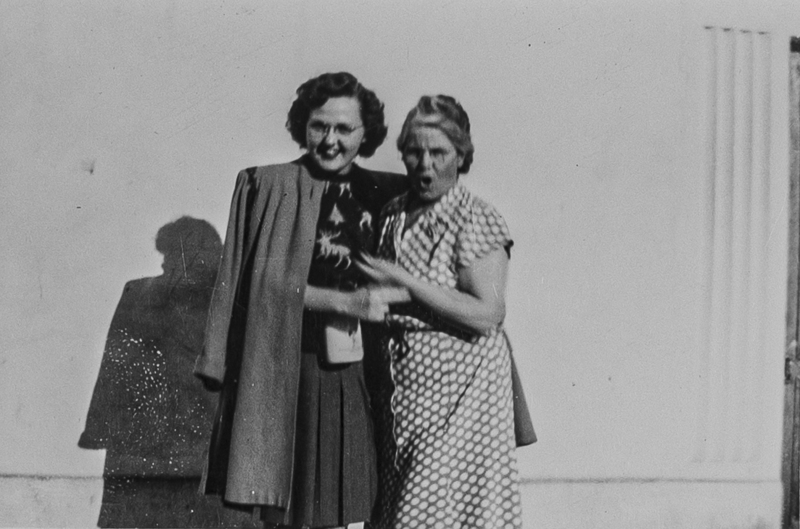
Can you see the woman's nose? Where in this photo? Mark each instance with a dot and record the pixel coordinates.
(330, 136)
(425, 160)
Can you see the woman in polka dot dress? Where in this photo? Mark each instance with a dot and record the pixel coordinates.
(446, 422)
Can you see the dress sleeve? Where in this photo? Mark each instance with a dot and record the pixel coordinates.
(483, 230)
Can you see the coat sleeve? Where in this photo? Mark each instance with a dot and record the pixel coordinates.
(211, 364)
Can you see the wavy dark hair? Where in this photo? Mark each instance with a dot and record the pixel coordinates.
(446, 114)
(315, 92)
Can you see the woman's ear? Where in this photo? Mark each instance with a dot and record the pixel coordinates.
(460, 160)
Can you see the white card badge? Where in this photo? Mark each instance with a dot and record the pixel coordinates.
(343, 343)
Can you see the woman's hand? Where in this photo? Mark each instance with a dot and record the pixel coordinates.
(367, 303)
(382, 272)
(372, 303)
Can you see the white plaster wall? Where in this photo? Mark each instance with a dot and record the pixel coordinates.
(589, 121)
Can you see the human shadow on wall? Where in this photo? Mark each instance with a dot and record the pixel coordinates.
(148, 410)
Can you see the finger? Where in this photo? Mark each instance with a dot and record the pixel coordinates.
(365, 269)
(365, 262)
(371, 273)
(367, 259)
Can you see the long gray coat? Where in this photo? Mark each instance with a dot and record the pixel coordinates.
(252, 347)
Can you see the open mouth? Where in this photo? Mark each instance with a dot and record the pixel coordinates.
(425, 181)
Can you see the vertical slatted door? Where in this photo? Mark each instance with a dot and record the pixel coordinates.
(791, 427)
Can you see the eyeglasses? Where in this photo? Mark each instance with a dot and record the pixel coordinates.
(320, 129)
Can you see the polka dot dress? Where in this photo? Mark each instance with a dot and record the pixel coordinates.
(446, 427)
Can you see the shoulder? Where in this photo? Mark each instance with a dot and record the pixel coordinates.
(379, 187)
(482, 229)
(481, 208)
(269, 173)
(391, 182)
(396, 204)
(264, 178)
(479, 216)
(469, 202)
(465, 206)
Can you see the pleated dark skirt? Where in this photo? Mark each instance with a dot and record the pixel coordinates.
(335, 479)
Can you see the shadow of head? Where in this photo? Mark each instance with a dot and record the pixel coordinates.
(191, 249)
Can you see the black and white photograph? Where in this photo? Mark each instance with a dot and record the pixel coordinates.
(361, 264)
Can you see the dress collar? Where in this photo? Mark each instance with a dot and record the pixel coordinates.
(443, 204)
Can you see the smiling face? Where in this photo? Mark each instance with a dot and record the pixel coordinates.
(431, 161)
(334, 134)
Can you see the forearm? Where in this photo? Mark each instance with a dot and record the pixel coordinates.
(365, 303)
(327, 300)
(462, 309)
(478, 302)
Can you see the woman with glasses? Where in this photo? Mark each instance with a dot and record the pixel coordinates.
(447, 422)
(293, 436)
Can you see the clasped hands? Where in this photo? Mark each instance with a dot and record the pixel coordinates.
(371, 303)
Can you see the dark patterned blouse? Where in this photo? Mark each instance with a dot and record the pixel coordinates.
(345, 228)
